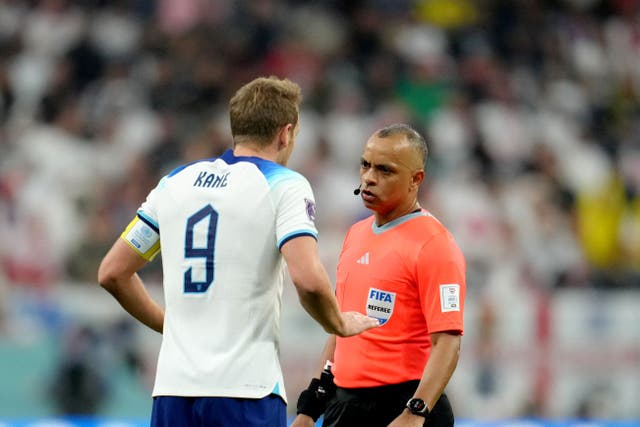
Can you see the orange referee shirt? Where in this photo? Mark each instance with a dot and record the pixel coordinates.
(408, 273)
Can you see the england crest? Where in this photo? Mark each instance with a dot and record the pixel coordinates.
(311, 209)
(380, 304)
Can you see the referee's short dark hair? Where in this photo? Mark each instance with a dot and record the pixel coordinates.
(412, 135)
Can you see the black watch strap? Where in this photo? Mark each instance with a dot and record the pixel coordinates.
(418, 407)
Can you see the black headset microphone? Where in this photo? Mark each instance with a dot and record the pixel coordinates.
(356, 191)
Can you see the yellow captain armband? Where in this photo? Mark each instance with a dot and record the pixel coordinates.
(143, 238)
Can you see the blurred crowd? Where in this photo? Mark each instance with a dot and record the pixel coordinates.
(531, 110)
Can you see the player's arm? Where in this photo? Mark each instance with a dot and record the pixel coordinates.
(118, 275)
(315, 292)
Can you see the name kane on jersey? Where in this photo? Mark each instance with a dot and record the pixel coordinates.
(211, 180)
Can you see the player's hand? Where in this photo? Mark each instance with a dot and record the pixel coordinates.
(356, 323)
(407, 419)
(303, 421)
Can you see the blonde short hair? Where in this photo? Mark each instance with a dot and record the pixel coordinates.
(261, 107)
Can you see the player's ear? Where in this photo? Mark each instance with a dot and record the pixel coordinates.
(285, 135)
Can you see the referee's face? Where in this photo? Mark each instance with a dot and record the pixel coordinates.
(389, 177)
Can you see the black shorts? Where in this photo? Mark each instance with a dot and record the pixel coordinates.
(379, 406)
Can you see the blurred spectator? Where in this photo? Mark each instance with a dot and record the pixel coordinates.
(79, 386)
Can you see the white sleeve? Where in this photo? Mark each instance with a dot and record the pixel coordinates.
(295, 210)
(143, 232)
(148, 212)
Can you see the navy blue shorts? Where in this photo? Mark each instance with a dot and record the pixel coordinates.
(174, 411)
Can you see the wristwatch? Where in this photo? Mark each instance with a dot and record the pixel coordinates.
(418, 407)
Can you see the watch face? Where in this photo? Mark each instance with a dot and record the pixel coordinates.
(417, 405)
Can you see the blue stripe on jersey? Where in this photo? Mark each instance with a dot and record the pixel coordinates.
(178, 169)
(273, 172)
(182, 167)
(151, 223)
(295, 234)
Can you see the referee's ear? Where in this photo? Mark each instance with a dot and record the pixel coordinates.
(416, 179)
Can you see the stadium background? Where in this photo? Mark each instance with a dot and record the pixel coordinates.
(532, 109)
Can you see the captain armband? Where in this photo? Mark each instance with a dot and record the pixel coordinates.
(143, 238)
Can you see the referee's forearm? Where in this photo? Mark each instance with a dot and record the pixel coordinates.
(442, 362)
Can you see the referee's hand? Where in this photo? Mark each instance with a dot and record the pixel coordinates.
(356, 323)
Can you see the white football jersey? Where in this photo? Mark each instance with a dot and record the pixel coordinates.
(221, 223)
